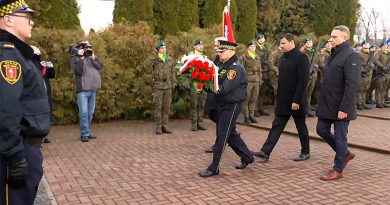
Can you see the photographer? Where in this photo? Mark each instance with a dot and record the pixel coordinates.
(86, 69)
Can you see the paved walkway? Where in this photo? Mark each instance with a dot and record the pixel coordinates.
(129, 164)
(364, 131)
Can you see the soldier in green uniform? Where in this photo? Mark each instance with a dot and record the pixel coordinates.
(197, 98)
(387, 93)
(164, 80)
(322, 58)
(370, 95)
(308, 49)
(252, 66)
(380, 80)
(273, 63)
(262, 51)
(366, 74)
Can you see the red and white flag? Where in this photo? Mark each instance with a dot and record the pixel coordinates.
(227, 30)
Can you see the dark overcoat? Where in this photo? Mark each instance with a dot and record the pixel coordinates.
(292, 83)
(341, 83)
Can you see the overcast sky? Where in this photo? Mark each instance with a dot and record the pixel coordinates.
(97, 14)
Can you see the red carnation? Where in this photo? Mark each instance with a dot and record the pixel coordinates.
(200, 86)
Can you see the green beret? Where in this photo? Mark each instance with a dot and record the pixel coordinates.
(159, 44)
(197, 42)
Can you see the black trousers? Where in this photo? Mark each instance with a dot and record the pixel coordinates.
(226, 133)
(278, 126)
(26, 194)
(213, 115)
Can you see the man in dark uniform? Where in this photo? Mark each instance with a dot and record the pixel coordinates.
(290, 99)
(164, 80)
(24, 107)
(229, 98)
(337, 104)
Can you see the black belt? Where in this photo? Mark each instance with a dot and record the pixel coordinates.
(35, 141)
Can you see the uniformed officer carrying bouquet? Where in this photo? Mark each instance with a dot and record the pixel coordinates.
(232, 92)
(24, 107)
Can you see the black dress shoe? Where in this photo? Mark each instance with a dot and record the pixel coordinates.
(302, 157)
(159, 131)
(243, 165)
(247, 120)
(207, 173)
(91, 137)
(252, 119)
(210, 149)
(261, 155)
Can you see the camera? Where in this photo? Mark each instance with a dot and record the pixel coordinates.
(88, 52)
(73, 50)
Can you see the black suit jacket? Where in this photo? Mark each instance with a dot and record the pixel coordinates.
(292, 83)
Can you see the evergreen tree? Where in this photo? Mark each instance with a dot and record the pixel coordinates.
(133, 11)
(212, 12)
(188, 14)
(246, 21)
(322, 16)
(294, 16)
(347, 14)
(268, 17)
(165, 14)
(58, 14)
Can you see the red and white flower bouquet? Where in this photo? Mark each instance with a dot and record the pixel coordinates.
(198, 71)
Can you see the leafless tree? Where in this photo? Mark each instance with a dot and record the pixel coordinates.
(366, 21)
(375, 15)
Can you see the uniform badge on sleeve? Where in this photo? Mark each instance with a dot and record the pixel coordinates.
(231, 74)
(11, 71)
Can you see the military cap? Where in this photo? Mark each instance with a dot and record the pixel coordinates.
(307, 39)
(251, 43)
(159, 44)
(14, 6)
(197, 42)
(357, 45)
(364, 42)
(259, 36)
(226, 45)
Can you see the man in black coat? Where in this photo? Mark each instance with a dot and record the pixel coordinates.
(337, 103)
(290, 98)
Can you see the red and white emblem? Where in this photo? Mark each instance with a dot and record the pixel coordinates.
(10, 71)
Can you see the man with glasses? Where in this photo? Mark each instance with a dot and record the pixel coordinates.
(24, 107)
(232, 92)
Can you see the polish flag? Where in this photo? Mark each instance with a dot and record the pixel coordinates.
(227, 30)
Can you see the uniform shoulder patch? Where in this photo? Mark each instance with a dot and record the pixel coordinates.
(10, 71)
(231, 74)
(8, 45)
